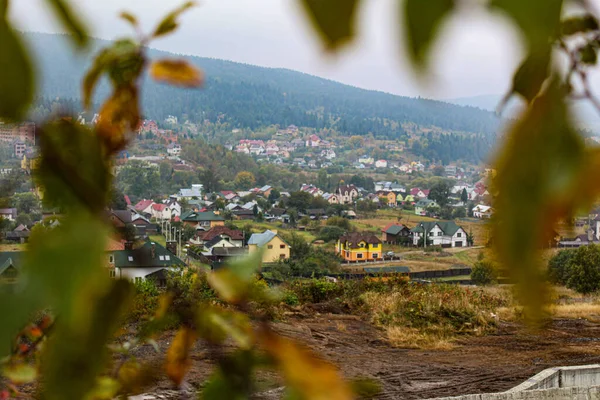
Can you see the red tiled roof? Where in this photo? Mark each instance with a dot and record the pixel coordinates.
(220, 230)
(143, 204)
(159, 207)
(114, 245)
(127, 200)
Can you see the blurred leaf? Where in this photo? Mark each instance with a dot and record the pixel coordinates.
(422, 20)
(3, 8)
(119, 115)
(93, 76)
(334, 20)
(70, 21)
(233, 283)
(176, 72)
(77, 352)
(178, 360)
(106, 389)
(17, 79)
(233, 378)
(323, 382)
(127, 16)
(545, 158)
(169, 23)
(587, 54)
(215, 324)
(538, 20)
(366, 388)
(532, 74)
(73, 169)
(580, 24)
(20, 373)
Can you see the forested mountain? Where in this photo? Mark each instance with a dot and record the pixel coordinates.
(251, 97)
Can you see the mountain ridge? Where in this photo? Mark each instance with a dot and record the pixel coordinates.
(248, 96)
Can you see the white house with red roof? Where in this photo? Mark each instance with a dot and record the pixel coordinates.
(381, 164)
(144, 206)
(160, 211)
(420, 193)
(313, 141)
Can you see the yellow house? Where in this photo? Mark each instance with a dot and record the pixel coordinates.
(274, 247)
(356, 247)
(30, 163)
(390, 196)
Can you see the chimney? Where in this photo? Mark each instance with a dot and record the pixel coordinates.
(172, 246)
(153, 251)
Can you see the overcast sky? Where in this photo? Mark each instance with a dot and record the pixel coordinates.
(476, 56)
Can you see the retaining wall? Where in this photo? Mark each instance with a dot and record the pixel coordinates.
(560, 383)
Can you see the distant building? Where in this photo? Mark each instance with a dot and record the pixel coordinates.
(274, 248)
(19, 149)
(356, 247)
(24, 132)
(174, 149)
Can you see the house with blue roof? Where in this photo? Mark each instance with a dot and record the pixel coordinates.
(274, 248)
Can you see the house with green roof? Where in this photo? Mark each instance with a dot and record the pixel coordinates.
(148, 261)
(202, 220)
(423, 205)
(10, 266)
(440, 233)
(395, 233)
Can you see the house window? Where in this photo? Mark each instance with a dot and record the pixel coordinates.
(130, 258)
(168, 258)
(375, 255)
(459, 234)
(161, 258)
(112, 273)
(270, 246)
(439, 233)
(111, 259)
(282, 256)
(359, 256)
(375, 245)
(282, 246)
(430, 233)
(362, 245)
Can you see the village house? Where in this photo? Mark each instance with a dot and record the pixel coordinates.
(194, 192)
(151, 261)
(420, 193)
(423, 205)
(144, 207)
(274, 248)
(234, 237)
(482, 211)
(440, 233)
(328, 154)
(313, 141)
(366, 160)
(395, 234)
(390, 197)
(8, 213)
(160, 211)
(346, 194)
(202, 220)
(174, 149)
(381, 164)
(357, 247)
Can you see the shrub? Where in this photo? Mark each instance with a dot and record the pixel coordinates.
(433, 249)
(558, 266)
(145, 300)
(583, 270)
(330, 233)
(290, 298)
(340, 222)
(483, 273)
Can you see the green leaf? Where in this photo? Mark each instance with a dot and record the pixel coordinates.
(106, 389)
(580, 24)
(3, 9)
(233, 284)
(422, 20)
(16, 77)
(334, 20)
(20, 373)
(233, 378)
(77, 354)
(544, 158)
(127, 16)
(74, 170)
(538, 20)
(70, 21)
(532, 74)
(169, 23)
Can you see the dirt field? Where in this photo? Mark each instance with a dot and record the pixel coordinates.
(479, 364)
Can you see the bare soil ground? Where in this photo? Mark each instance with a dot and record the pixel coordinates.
(490, 363)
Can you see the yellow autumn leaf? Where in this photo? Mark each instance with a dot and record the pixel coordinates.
(177, 72)
(119, 114)
(307, 374)
(178, 360)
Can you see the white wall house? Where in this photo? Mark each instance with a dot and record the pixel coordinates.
(150, 261)
(442, 233)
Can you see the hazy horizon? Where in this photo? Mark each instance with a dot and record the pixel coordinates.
(476, 56)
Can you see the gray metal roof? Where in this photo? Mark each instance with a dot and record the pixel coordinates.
(260, 239)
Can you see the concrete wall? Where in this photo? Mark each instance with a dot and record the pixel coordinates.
(560, 383)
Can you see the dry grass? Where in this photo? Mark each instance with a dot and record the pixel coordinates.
(411, 338)
(431, 316)
(589, 311)
(12, 247)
